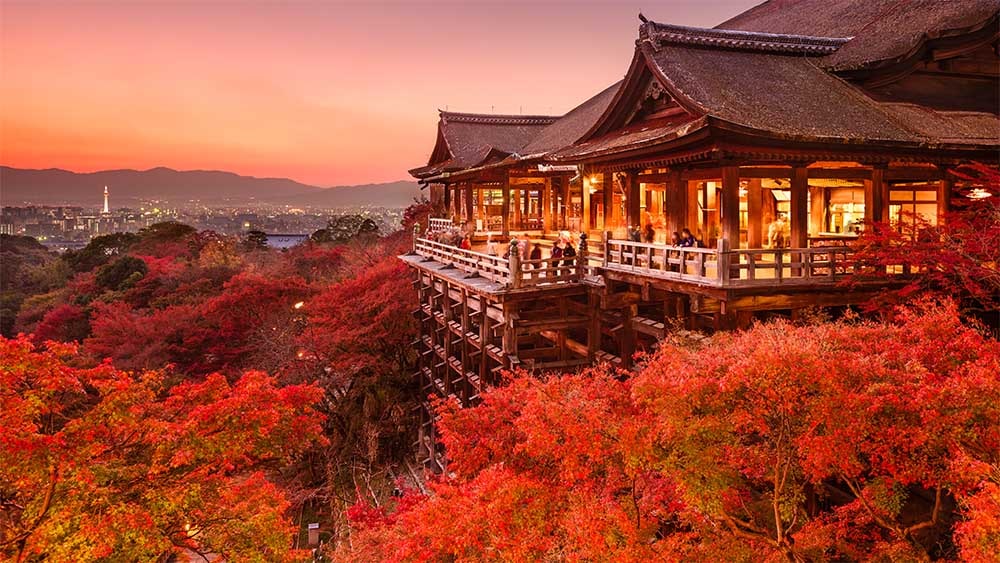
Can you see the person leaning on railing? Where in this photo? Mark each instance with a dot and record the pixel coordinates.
(687, 239)
(569, 252)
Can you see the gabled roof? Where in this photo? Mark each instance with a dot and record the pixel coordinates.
(468, 139)
(778, 71)
(881, 29)
(766, 84)
(569, 128)
(788, 44)
(768, 91)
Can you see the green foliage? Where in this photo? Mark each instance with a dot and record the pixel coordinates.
(100, 250)
(255, 240)
(121, 274)
(26, 268)
(344, 228)
(167, 231)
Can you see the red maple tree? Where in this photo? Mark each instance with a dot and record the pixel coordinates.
(845, 441)
(96, 462)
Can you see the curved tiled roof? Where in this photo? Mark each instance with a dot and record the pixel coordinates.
(467, 139)
(881, 29)
(776, 71)
(660, 33)
(569, 128)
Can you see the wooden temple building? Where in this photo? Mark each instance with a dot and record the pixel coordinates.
(773, 137)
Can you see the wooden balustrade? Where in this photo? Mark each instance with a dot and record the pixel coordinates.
(510, 271)
(718, 267)
(697, 265)
(436, 225)
(733, 268)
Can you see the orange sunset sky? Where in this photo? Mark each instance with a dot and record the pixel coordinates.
(326, 93)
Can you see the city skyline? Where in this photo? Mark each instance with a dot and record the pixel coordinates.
(325, 94)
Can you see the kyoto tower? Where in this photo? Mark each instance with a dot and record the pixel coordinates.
(106, 210)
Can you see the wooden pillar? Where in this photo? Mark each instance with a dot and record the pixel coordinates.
(633, 204)
(526, 206)
(447, 199)
(755, 231)
(561, 334)
(481, 207)
(594, 324)
(712, 214)
(509, 333)
(505, 206)
(628, 335)
(799, 209)
(729, 206)
(608, 183)
(516, 204)
(877, 196)
(470, 214)
(544, 202)
(466, 346)
(448, 352)
(692, 210)
(484, 340)
(565, 200)
(585, 225)
(817, 210)
(944, 190)
(676, 197)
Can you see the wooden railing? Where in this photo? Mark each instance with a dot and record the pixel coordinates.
(719, 267)
(696, 265)
(493, 268)
(790, 266)
(732, 268)
(549, 270)
(436, 225)
(509, 271)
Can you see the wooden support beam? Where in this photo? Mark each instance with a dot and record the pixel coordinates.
(608, 191)
(676, 202)
(561, 338)
(485, 339)
(564, 203)
(632, 200)
(574, 346)
(792, 301)
(817, 210)
(470, 214)
(562, 323)
(799, 208)
(627, 336)
(693, 211)
(594, 330)
(525, 204)
(544, 202)
(755, 201)
(509, 334)
(945, 187)
(585, 223)
(516, 204)
(877, 196)
(447, 198)
(620, 299)
(505, 206)
(729, 206)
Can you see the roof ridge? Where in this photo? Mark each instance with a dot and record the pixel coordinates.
(660, 33)
(497, 118)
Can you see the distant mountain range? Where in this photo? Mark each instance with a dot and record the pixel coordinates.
(127, 187)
